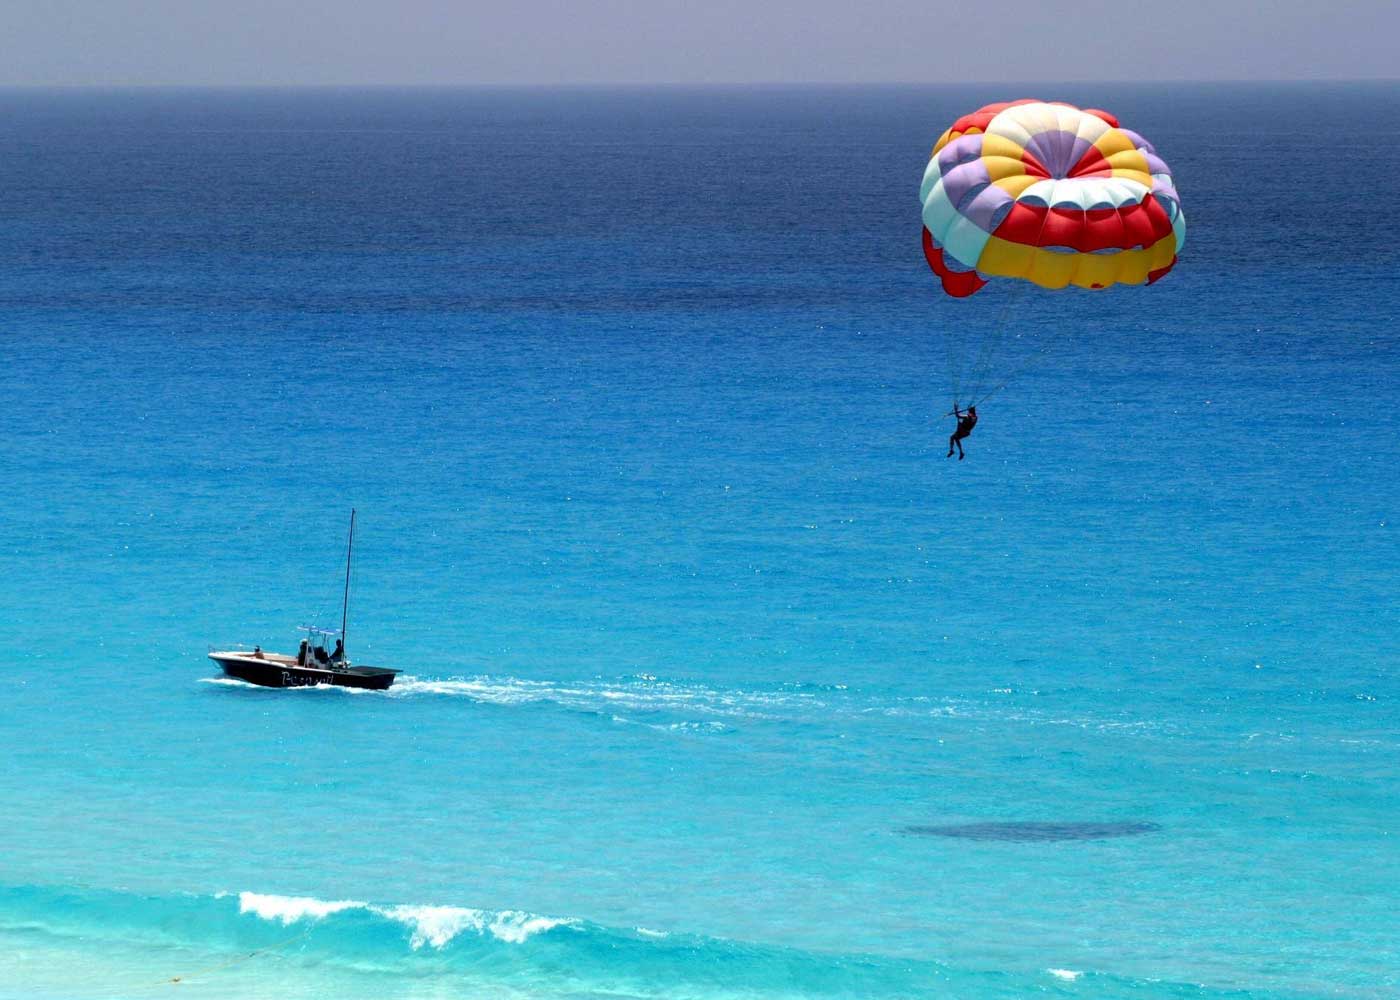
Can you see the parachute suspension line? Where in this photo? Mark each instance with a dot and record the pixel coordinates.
(975, 373)
(1000, 331)
(955, 362)
(1034, 360)
(981, 369)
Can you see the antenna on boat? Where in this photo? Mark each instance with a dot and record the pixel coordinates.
(345, 604)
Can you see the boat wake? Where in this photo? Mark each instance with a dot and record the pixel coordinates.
(637, 693)
(236, 684)
(600, 697)
(695, 708)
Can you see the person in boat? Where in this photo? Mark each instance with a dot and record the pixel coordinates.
(338, 654)
(257, 653)
(302, 651)
(966, 421)
(320, 653)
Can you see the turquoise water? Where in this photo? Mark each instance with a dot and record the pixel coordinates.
(637, 395)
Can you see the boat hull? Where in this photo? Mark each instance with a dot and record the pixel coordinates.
(284, 672)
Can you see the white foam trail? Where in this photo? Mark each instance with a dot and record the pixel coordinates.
(301, 688)
(707, 710)
(1068, 975)
(645, 695)
(290, 909)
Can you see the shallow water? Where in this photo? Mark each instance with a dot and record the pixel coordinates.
(638, 396)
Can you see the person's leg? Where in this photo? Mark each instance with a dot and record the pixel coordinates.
(961, 456)
(952, 440)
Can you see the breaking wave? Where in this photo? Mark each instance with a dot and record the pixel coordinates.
(433, 926)
(492, 951)
(499, 952)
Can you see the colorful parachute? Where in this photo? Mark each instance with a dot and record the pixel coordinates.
(1051, 194)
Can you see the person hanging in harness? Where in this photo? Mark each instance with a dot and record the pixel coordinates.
(966, 421)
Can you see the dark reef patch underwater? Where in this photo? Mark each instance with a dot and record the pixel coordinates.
(1034, 832)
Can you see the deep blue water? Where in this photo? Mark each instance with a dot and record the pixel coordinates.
(638, 395)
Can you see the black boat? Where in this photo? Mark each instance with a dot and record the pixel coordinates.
(313, 664)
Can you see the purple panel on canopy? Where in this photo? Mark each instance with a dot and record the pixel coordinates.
(963, 180)
(1058, 151)
(989, 208)
(1164, 189)
(960, 150)
(1081, 147)
(1138, 141)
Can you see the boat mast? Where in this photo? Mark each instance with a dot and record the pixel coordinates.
(345, 604)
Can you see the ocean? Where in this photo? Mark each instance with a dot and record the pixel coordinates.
(719, 679)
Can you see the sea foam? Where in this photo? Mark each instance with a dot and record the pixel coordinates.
(430, 926)
(289, 909)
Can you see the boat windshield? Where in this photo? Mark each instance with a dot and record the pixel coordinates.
(318, 640)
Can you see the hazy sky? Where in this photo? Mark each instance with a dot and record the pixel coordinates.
(553, 41)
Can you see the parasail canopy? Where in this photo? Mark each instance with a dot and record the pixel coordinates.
(1051, 194)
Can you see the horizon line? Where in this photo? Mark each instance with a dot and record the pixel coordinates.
(692, 84)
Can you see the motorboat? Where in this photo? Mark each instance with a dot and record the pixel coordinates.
(313, 664)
